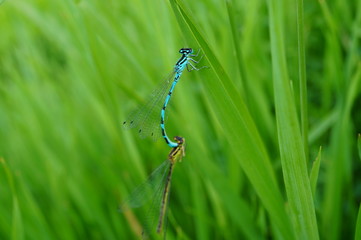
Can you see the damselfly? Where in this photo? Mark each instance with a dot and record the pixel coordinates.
(145, 119)
(157, 188)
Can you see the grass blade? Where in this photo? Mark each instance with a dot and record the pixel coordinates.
(302, 75)
(237, 48)
(314, 172)
(16, 223)
(358, 225)
(359, 145)
(293, 157)
(339, 172)
(246, 141)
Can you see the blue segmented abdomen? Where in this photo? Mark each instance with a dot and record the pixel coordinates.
(162, 114)
(145, 119)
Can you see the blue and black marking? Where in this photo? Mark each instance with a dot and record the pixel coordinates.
(181, 64)
(145, 119)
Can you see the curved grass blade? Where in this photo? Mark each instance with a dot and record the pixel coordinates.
(227, 101)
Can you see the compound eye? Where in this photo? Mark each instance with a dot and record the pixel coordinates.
(186, 50)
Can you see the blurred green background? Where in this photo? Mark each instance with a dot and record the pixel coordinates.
(71, 71)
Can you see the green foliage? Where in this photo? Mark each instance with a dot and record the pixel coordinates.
(283, 80)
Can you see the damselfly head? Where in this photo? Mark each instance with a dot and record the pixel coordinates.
(186, 50)
(179, 140)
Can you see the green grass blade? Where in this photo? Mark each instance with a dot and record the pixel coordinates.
(315, 171)
(338, 173)
(293, 157)
(223, 190)
(202, 231)
(359, 145)
(246, 142)
(358, 225)
(237, 48)
(302, 75)
(17, 230)
(16, 223)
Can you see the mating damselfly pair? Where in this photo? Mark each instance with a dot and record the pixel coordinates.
(157, 186)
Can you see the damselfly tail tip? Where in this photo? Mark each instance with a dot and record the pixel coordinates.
(178, 139)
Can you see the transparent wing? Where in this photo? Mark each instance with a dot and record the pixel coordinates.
(146, 119)
(153, 189)
(153, 215)
(147, 190)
